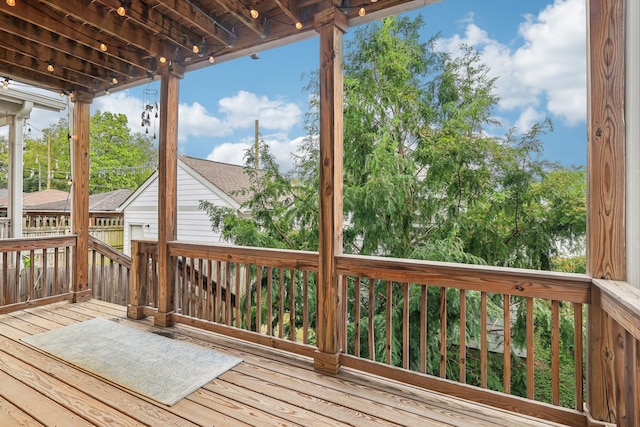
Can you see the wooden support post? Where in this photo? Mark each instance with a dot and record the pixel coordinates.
(331, 24)
(138, 287)
(167, 183)
(80, 195)
(606, 257)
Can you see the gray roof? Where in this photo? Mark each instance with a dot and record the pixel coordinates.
(231, 179)
(101, 202)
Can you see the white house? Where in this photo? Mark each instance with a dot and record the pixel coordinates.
(218, 183)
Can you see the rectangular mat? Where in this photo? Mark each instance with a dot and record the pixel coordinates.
(163, 369)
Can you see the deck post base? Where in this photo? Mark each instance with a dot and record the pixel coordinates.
(592, 422)
(81, 296)
(326, 363)
(163, 319)
(135, 312)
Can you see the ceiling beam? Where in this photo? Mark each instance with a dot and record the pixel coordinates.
(196, 17)
(242, 13)
(40, 77)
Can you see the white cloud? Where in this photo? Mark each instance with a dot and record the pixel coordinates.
(244, 108)
(547, 72)
(122, 103)
(280, 146)
(195, 120)
(527, 118)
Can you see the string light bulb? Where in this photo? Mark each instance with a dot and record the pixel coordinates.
(163, 59)
(114, 80)
(103, 47)
(50, 68)
(254, 13)
(211, 59)
(298, 25)
(196, 49)
(122, 11)
(11, 2)
(5, 83)
(362, 12)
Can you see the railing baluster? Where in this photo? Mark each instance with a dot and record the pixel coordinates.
(269, 300)
(4, 295)
(281, 270)
(305, 307)
(218, 311)
(258, 299)
(389, 312)
(555, 352)
(405, 326)
(345, 310)
(292, 306)
(356, 293)
(45, 285)
(423, 329)
(577, 355)
(32, 276)
(228, 287)
(237, 305)
(506, 306)
(530, 350)
(372, 347)
(483, 339)
(247, 294)
(443, 332)
(463, 336)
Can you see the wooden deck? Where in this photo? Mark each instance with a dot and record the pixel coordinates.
(268, 388)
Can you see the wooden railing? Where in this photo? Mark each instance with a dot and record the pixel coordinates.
(523, 346)
(615, 372)
(5, 228)
(407, 316)
(34, 271)
(259, 295)
(109, 272)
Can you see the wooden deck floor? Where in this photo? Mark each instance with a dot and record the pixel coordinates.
(268, 388)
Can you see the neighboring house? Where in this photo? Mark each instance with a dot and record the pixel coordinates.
(218, 183)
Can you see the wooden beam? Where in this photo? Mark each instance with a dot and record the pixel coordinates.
(331, 25)
(80, 195)
(242, 13)
(606, 257)
(167, 193)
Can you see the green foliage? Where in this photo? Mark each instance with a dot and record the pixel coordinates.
(118, 159)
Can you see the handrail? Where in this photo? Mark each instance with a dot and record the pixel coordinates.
(621, 302)
(109, 272)
(568, 287)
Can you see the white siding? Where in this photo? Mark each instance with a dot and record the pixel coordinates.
(193, 224)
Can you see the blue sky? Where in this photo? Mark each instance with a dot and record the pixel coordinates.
(536, 48)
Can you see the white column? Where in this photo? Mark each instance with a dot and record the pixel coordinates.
(16, 144)
(632, 112)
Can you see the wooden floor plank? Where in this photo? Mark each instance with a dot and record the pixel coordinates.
(63, 394)
(37, 405)
(137, 408)
(269, 388)
(11, 415)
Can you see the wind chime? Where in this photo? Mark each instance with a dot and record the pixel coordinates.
(150, 100)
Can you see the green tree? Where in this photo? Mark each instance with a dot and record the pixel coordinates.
(423, 179)
(119, 159)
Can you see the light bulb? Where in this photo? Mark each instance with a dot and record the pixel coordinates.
(121, 11)
(103, 47)
(254, 13)
(196, 49)
(163, 59)
(211, 59)
(114, 80)
(298, 25)
(5, 84)
(50, 68)
(362, 12)
(11, 2)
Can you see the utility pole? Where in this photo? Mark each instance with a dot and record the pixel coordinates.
(49, 160)
(257, 147)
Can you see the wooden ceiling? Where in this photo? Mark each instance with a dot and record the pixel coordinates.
(56, 44)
